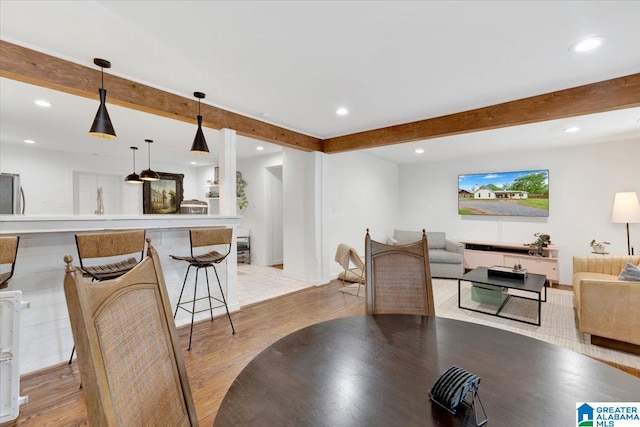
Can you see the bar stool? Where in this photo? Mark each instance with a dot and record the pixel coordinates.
(203, 237)
(8, 255)
(113, 246)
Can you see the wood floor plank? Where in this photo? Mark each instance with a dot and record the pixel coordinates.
(216, 357)
(215, 360)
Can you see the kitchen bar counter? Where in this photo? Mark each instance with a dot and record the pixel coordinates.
(45, 333)
(29, 224)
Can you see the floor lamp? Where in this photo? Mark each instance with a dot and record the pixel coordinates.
(626, 209)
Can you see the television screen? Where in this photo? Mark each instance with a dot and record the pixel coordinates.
(520, 193)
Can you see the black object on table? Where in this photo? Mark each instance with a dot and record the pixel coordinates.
(377, 371)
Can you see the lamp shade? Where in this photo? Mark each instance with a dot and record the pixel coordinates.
(626, 208)
(148, 174)
(102, 127)
(133, 178)
(199, 145)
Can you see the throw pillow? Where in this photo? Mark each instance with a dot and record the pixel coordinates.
(392, 241)
(630, 273)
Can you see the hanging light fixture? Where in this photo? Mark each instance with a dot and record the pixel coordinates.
(102, 126)
(148, 174)
(199, 145)
(133, 178)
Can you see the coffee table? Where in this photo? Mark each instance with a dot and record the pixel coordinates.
(533, 283)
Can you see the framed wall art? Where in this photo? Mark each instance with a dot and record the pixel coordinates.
(164, 196)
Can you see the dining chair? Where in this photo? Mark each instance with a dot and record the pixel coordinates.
(347, 256)
(8, 255)
(398, 278)
(131, 366)
(120, 248)
(207, 258)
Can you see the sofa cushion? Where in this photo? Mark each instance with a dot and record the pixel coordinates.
(444, 257)
(435, 239)
(584, 275)
(630, 273)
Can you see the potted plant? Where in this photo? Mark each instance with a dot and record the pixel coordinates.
(598, 247)
(240, 193)
(537, 246)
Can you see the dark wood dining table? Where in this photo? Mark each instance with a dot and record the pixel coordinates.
(377, 371)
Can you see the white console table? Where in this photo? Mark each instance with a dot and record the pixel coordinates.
(487, 254)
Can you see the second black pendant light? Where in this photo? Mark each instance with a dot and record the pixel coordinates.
(199, 145)
(102, 126)
(133, 178)
(148, 174)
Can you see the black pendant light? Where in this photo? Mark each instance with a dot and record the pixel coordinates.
(102, 126)
(199, 145)
(148, 174)
(133, 178)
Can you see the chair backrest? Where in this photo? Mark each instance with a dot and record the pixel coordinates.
(398, 278)
(8, 255)
(102, 245)
(8, 249)
(210, 237)
(342, 255)
(131, 365)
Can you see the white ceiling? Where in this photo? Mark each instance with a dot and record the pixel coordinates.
(293, 63)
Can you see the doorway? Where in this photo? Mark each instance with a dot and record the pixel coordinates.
(274, 223)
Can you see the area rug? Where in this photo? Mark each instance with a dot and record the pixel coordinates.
(558, 320)
(352, 289)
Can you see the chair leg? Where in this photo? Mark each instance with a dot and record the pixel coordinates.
(206, 272)
(184, 282)
(224, 300)
(193, 308)
(72, 351)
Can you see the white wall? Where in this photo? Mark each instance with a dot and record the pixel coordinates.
(47, 177)
(254, 171)
(583, 181)
(360, 191)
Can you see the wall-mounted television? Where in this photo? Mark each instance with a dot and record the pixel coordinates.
(518, 193)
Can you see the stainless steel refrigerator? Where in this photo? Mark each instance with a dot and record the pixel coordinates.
(11, 195)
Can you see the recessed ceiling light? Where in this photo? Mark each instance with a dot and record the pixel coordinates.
(342, 111)
(587, 44)
(259, 148)
(571, 129)
(193, 163)
(419, 151)
(265, 114)
(42, 103)
(29, 141)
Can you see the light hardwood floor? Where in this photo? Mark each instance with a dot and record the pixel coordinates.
(214, 361)
(216, 358)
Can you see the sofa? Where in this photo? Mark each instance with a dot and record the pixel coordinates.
(607, 308)
(445, 256)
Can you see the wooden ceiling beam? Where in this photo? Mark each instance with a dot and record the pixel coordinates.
(30, 66)
(614, 94)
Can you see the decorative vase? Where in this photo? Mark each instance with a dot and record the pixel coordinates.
(599, 249)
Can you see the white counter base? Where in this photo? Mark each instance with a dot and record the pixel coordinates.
(39, 273)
